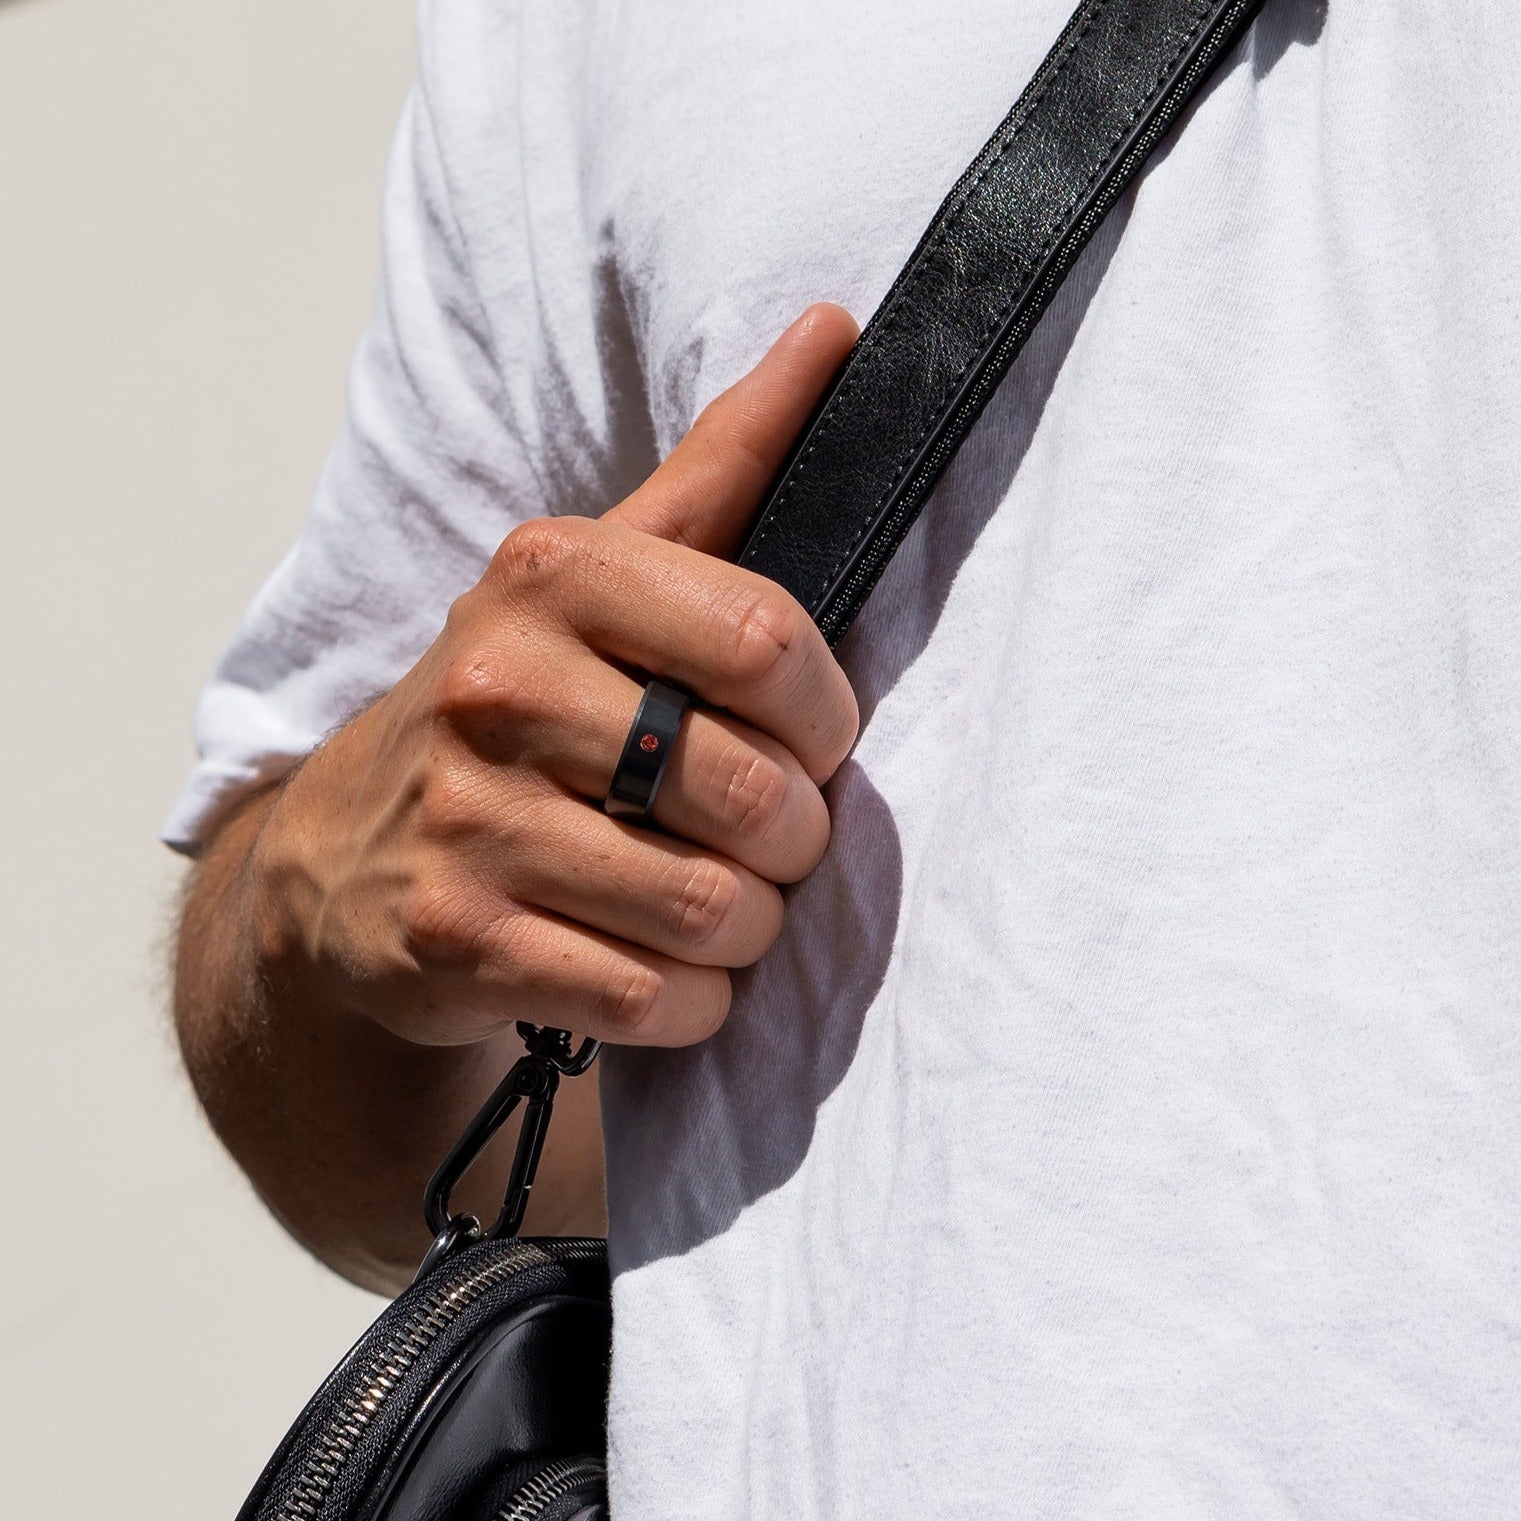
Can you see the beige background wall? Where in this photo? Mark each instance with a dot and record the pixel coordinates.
(188, 200)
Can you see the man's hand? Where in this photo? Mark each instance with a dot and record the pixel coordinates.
(441, 867)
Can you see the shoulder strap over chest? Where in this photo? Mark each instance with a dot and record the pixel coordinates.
(917, 378)
(986, 268)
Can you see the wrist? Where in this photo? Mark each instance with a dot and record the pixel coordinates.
(276, 886)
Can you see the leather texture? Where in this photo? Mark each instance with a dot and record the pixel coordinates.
(497, 1359)
(986, 268)
(494, 1362)
(536, 1384)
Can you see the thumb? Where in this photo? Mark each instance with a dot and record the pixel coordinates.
(708, 489)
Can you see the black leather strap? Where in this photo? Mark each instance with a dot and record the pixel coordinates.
(985, 269)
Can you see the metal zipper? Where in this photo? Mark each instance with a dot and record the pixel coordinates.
(552, 1482)
(429, 1318)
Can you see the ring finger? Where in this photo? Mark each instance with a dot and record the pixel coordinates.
(726, 785)
(647, 889)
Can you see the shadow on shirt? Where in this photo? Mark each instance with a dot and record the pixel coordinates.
(695, 1136)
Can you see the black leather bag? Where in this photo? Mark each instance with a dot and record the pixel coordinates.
(479, 1394)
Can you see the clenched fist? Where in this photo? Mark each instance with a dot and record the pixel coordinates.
(443, 864)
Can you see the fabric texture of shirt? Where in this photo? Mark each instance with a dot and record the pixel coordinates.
(1128, 1121)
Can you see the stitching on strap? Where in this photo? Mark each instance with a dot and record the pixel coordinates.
(880, 328)
(895, 313)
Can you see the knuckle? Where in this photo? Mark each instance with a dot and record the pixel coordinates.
(517, 939)
(765, 630)
(757, 797)
(728, 427)
(708, 896)
(440, 921)
(447, 797)
(466, 684)
(702, 448)
(462, 617)
(537, 554)
(639, 1010)
(477, 688)
(630, 1001)
(705, 439)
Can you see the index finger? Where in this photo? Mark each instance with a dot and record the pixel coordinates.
(734, 638)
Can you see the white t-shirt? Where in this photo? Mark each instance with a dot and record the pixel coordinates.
(1128, 1123)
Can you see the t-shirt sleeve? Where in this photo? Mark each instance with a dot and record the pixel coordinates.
(497, 381)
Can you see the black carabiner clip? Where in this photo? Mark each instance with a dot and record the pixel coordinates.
(533, 1083)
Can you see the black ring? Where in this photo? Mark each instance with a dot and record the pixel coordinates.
(651, 738)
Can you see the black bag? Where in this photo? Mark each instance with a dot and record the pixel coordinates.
(479, 1394)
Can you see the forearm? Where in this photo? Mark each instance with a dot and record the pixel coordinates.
(337, 1122)
(358, 944)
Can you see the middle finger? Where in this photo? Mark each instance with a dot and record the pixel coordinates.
(727, 786)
